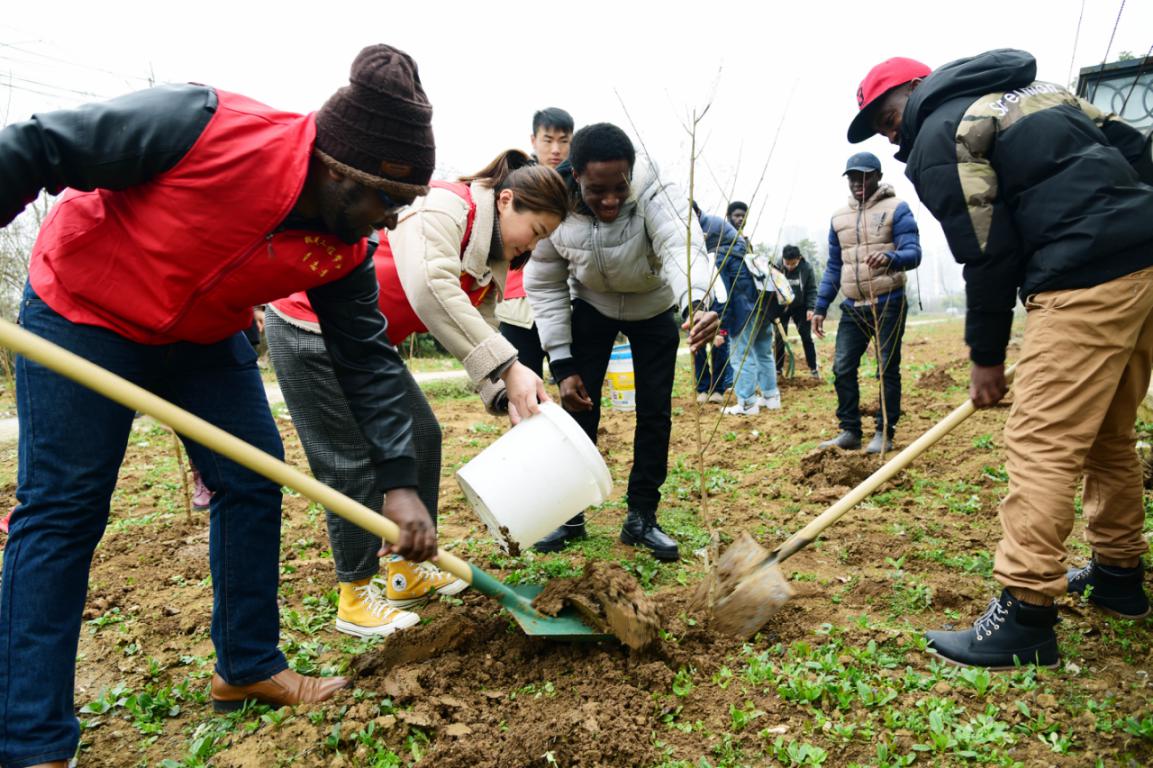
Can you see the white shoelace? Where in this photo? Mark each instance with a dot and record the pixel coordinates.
(377, 604)
(991, 620)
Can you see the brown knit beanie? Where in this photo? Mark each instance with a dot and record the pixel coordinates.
(377, 130)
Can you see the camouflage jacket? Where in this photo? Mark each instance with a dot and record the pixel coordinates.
(1036, 189)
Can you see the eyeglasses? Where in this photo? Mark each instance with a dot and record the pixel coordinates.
(387, 200)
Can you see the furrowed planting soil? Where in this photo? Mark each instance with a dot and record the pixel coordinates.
(836, 678)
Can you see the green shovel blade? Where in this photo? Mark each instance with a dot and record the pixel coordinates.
(568, 625)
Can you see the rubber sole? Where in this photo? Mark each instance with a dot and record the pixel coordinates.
(1119, 615)
(663, 555)
(1006, 668)
(356, 630)
(453, 588)
(559, 545)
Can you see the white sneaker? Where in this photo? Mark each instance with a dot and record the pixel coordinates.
(717, 397)
(771, 403)
(702, 397)
(739, 409)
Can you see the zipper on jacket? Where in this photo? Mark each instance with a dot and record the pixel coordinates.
(597, 251)
(228, 269)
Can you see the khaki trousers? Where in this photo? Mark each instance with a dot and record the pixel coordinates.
(1084, 368)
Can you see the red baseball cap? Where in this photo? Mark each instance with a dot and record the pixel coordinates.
(881, 79)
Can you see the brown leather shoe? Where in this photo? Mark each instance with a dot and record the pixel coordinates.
(284, 689)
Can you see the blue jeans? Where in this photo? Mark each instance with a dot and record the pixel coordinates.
(856, 328)
(752, 357)
(72, 442)
(717, 377)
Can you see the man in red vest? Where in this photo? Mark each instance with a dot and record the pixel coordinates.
(185, 207)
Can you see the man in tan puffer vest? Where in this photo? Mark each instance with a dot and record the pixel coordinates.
(872, 242)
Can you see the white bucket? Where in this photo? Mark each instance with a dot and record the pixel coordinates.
(535, 477)
(622, 387)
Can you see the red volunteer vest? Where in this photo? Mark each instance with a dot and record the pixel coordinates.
(514, 285)
(394, 304)
(185, 256)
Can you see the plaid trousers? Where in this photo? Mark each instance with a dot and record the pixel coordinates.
(337, 452)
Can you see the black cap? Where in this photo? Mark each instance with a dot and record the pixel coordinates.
(863, 161)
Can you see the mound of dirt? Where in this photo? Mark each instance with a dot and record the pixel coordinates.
(485, 695)
(937, 380)
(834, 467)
(609, 598)
(799, 382)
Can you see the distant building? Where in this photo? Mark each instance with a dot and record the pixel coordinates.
(1122, 87)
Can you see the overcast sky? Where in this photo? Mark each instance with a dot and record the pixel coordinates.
(487, 67)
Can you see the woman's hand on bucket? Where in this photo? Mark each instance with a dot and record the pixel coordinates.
(525, 391)
(417, 532)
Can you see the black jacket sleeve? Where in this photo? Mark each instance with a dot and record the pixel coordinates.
(113, 144)
(810, 279)
(369, 370)
(962, 193)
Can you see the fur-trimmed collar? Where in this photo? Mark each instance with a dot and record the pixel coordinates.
(474, 259)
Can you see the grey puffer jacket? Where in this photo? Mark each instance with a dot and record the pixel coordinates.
(632, 268)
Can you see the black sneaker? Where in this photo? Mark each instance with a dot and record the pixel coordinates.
(641, 530)
(846, 441)
(1116, 591)
(1010, 633)
(573, 530)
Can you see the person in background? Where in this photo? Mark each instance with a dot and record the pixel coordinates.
(638, 281)
(737, 214)
(275, 202)
(552, 130)
(728, 251)
(872, 242)
(799, 272)
(440, 270)
(1043, 196)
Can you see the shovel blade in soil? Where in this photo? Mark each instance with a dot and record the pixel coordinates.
(745, 588)
(566, 625)
(754, 601)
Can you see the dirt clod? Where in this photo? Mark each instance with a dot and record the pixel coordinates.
(834, 467)
(937, 380)
(609, 598)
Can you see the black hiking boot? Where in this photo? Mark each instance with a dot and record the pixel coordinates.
(1010, 633)
(641, 530)
(878, 444)
(573, 530)
(1116, 591)
(846, 441)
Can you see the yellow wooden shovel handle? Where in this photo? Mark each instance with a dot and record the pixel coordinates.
(137, 398)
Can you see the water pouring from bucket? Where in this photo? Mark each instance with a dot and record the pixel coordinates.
(534, 477)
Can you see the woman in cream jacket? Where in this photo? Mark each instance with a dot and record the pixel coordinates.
(441, 270)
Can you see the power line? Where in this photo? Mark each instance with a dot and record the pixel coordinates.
(1076, 39)
(62, 88)
(38, 92)
(1108, 48)
(78, 65)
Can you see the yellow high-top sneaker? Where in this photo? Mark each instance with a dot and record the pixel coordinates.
(363, 611)
(412, 583)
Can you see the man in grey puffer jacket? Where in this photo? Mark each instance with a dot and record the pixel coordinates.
(619, 265)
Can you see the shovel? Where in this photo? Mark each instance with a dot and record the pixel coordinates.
(518, 602)
(747, 587)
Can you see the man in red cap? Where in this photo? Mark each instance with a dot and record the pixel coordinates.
(1040, 194)
(185, 207)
